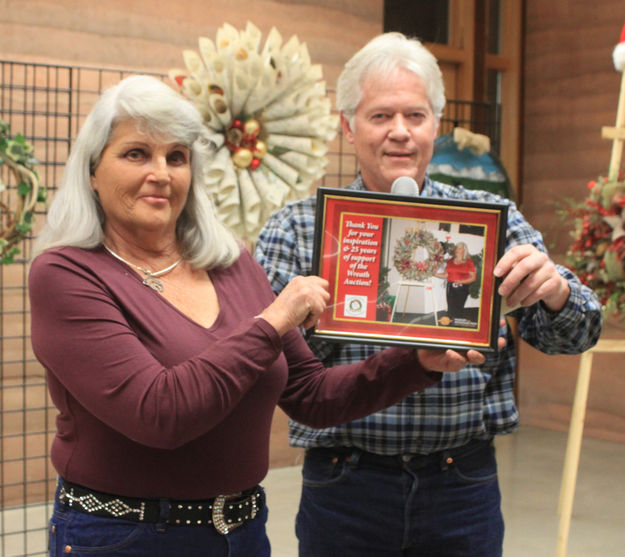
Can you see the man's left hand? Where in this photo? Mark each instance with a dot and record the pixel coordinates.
(531, 276)
(448, 360)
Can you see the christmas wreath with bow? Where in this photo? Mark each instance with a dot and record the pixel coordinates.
(411, 269)
(597, 254)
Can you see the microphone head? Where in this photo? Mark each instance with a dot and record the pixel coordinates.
(405, 185)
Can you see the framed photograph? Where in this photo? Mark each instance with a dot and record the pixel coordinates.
(409, 270)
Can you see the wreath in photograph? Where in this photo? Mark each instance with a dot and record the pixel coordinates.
(405, 247)
(597, 254)
(16, 203)
(267, 112)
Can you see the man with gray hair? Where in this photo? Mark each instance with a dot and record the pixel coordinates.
(419, 478)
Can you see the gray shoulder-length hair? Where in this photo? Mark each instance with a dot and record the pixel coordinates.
(75, 217)
(382, 56)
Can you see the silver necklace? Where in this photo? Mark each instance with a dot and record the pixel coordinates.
(150, 279)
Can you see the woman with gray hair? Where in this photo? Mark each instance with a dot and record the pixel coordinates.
(165, 348)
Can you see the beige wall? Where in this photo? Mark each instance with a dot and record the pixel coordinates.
(151, 35)
(571, 90)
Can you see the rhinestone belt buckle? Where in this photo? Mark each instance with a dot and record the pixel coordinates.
(219, 519)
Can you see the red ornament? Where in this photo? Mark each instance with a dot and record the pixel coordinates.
(255, 164)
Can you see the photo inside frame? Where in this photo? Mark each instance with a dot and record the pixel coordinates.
(405, 270)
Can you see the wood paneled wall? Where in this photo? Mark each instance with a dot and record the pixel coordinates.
(570, 91)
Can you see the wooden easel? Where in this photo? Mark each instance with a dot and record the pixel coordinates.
(574, 443)
(617, 135)
(576, 428)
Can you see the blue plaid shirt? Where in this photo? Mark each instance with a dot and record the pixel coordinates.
(476, 403)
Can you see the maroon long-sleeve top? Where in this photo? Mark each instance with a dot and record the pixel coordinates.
(152, 404)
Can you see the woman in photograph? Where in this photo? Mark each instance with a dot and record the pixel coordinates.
(459, 273)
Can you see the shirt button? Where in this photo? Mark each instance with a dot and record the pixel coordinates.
(406, 457)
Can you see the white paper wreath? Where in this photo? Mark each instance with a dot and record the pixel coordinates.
(268, 113)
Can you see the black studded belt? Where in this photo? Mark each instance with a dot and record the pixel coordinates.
(224, 512)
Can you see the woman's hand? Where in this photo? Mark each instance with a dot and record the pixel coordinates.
(300, 304)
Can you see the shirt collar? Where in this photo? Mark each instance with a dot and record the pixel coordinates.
(426, 190)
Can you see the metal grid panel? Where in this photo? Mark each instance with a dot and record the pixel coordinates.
(35, 101)
(47, 104)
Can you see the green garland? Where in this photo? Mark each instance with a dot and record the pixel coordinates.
(16, 222)
(404, 250)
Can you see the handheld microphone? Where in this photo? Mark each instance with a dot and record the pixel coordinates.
(405, 185)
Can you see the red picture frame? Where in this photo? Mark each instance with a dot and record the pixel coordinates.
(387, 259)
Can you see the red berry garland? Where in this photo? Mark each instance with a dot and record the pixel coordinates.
(597, 254)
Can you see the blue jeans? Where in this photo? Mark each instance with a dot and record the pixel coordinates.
(448, 508)
(107, 537)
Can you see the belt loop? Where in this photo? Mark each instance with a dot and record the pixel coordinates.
(353, 458)
(165, 510)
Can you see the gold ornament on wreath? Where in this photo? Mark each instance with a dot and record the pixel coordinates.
(404, 259)
(16, 203)
(266, 110)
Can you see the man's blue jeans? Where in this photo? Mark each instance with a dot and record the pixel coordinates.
(74, 533)
(447, 508)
